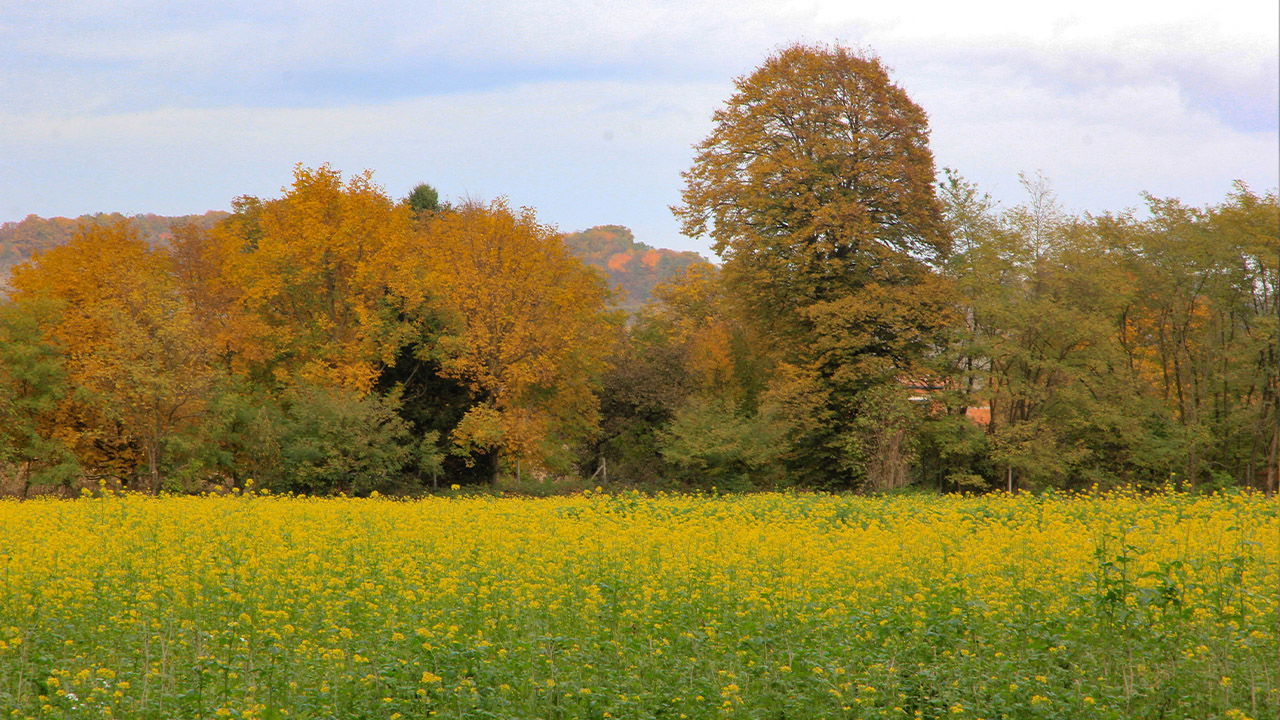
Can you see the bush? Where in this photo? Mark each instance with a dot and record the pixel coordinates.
(709, 443)
(314, 440)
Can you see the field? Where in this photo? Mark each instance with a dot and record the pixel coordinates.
(600, 606)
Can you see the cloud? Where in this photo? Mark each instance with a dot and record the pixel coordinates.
(1101, 147)
(582, 153)
(587, 111)
(90, 56)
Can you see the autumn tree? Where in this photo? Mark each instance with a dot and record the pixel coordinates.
(132, 342)
(527, 331)
(688, 372)
(816, 180)
(309, 270)
(816, 188)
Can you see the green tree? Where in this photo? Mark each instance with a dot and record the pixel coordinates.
(1111, 350)
(314, 439)
(423, 200)
(710, 443)
(1200, 327)
(33, 383)
(1039, 294)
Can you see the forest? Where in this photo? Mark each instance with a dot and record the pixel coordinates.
(873, 324)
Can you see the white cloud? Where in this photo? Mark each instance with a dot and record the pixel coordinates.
(1101, 147)
(582, 153)
(587, 111)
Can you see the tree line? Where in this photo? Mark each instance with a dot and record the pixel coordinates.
(871, 325)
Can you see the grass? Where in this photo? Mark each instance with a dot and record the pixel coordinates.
(624, 606)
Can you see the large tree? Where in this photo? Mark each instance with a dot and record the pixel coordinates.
(133, 343)
(816, 180)
(816, 186)
(526, 331)
(308, 278)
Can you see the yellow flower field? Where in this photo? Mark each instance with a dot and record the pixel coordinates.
(625, 606)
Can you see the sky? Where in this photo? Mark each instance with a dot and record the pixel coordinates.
(588, 111)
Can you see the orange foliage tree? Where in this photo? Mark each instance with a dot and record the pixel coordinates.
(695, 312)
(527, 330)
(309, 273)
(816, 187)
(132, 342)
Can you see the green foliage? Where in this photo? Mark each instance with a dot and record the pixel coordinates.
(33, 382)
(1116, 350)
(334, 440)
(314, 439)
(709, 443)
(432, 406)
(864, 433)
(640, 392)
(954, 454)
(423, 200)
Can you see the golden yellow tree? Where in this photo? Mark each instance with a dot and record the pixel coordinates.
(528, 330)
(309, 270)
(200, 269)
(695, 312)
(132, 341)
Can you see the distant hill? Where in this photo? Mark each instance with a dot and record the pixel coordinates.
(634, 268)
(19, 241)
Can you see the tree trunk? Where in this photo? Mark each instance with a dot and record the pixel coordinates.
(153, 467)
(1273, 461)
(494, 465)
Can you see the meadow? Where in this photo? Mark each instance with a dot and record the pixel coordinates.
(626, 606)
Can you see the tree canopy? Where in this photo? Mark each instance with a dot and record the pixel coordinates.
(816, 179)
(869, 327)
(816, 187)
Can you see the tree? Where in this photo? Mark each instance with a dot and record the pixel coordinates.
(200, 259)
(816, 187)
(1201, 328)
(310, 272)
(1114, 349)
(687, 353)
(319, 440)
(527, 331)
(33, 383)
(133, 343)
(423, 200)
(709, 443)
(816, 179)
(694, 312)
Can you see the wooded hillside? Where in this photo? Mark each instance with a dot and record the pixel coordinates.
(633, 267)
